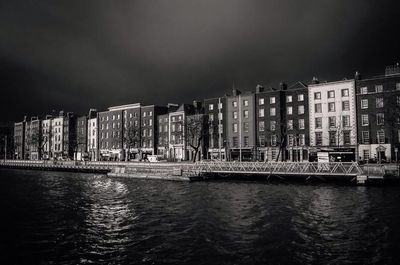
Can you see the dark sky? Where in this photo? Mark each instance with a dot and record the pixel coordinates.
(73, 55)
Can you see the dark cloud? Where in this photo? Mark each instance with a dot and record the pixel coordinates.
(74, 55)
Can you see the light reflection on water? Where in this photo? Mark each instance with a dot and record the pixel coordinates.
(65, 218)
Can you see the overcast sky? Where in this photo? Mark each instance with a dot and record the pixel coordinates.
(76, 55)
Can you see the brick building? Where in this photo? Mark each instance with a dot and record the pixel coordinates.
(19, 140)
(270, 123)
(378, 115)
(215, 109)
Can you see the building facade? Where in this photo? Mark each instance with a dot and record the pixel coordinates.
(378, 115)
(80, 145)
(270, 123)
(46, 137)
(19, 140)
(333, 125)
(297, 120)
(33, 139)
(215, 110)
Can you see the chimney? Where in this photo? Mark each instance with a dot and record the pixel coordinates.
(24, 119)
(357, 76)
(61, 113)
(236, 92)
(259, 89)
(282, 85)
(392, 69)
(314, 81)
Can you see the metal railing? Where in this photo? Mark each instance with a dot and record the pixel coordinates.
(277, 168)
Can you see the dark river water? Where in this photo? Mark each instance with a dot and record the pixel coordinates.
(68, 218)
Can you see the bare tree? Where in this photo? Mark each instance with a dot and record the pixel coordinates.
(196, 131)
(131, 138)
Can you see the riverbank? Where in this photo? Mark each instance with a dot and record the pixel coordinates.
(186, 171)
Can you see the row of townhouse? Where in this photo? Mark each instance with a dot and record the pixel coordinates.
(351, 119)
(355, 119)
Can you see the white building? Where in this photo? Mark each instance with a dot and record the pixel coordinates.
(92, 139)
(57, 137)
(333, 125)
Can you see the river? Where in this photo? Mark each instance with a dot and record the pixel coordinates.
(72, 218)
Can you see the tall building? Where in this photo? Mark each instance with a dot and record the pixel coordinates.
(271, 123)
(378, 114)
(57, 136)
(80, 145)
(33, 139)
(92, 135)
(163, 135)
(19, 140)
(240, 116)
(46, 137)
(333, 125)
(215, 109)
(297, 120)
(69, 136)
(177, 120)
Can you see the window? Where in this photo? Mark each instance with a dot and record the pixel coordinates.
(364, 103)
(273, 140)
(290, 140)
(318, 108)
(261, 126)
(245, 126)
(345, 105)
(346, 138)
(332, 122)
(211, 117)
(211, 107)
(300, 97)
(273, 125)
(246, 114)
(261, 101)
(318, 123)
(300, 109)
(364, 120)
(272, 100)
(234, 104)
(172, 127)
(318, 138)
(113, 117)
(246, 141)
(398, 100)
(301, 124)
(150, 113)
(273, 154)
(235, 141)
(220, 116)
(365, 137)
(261, 113)
(366, 154)
(235, 127)
(290, 110)
(364, 90)
(220, 128)
(234, 115)
(289, 99)
(331, 94)
(219, 105)
(397, 86)
(302, 139)
(378, 88)
(381, 137)
(290, 125)
(272, 111)
(317, 95)
(144, 113)
(179, 127)
(331, 106)
(332, 138)
(245, 102)
(345, 92)
(346, 121)
(261, 140)
(379, 102)
(380, 119)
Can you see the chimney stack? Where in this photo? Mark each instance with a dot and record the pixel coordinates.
(314, 81)
(259, 89)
